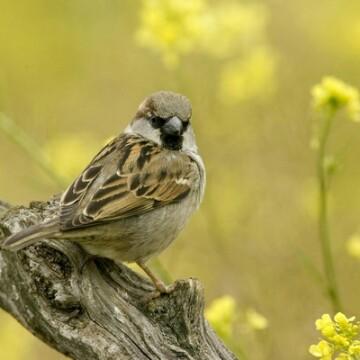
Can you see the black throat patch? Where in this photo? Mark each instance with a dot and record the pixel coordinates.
(171, 142)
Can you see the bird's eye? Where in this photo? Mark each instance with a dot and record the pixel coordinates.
(157, 122)
(185, 125)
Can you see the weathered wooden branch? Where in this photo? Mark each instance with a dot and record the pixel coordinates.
(95, 309)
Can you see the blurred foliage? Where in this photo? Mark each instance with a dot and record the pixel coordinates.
(61, 150)
(255, 320)
(171, 27)
(353, 246)
(232, 324)
(221, 314)
(233, 32)
(252, 76)
(175, 28)
(333, 94)
(73, 73)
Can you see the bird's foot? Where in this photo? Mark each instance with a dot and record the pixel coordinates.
(164, 289)
(161, 289)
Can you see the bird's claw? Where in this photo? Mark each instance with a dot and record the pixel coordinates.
(161, 289)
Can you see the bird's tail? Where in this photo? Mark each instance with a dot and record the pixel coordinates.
(30, 235)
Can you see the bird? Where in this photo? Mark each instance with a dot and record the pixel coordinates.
(136, 194)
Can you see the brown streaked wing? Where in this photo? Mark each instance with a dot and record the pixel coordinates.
(74, 194)
(145, 180)
(76, 191)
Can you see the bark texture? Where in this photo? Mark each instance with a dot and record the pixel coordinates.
(95, 309)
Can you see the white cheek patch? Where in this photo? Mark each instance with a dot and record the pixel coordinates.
(189, 140)
(143, 128)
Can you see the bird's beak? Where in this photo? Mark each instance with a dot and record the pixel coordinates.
(173, 127)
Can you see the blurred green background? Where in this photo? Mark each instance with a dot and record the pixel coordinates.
(72, 74)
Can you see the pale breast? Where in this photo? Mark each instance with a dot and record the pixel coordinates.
(141, 237)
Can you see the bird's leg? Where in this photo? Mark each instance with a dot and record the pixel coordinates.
(159, 285)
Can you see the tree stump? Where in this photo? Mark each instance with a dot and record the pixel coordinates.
(95, 309)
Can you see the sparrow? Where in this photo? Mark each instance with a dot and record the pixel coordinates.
(136, 194)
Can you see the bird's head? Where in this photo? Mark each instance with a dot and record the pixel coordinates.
(164, 117)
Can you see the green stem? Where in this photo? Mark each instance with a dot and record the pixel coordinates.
(16, 134)
(324, 232)
(310, 266)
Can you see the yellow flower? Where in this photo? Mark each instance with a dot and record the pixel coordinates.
(322, 350)
(340, 341)
(343, 356)
(174, 28)
(347, 325)
(340, 338)
(249, 77)
(255, 320)
(353, 246)
(221, 314)
(354, 348)
(333, 94)
(325, 325)
(170, 27)
(342, 320)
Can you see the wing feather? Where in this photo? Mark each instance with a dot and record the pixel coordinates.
(145, 177)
